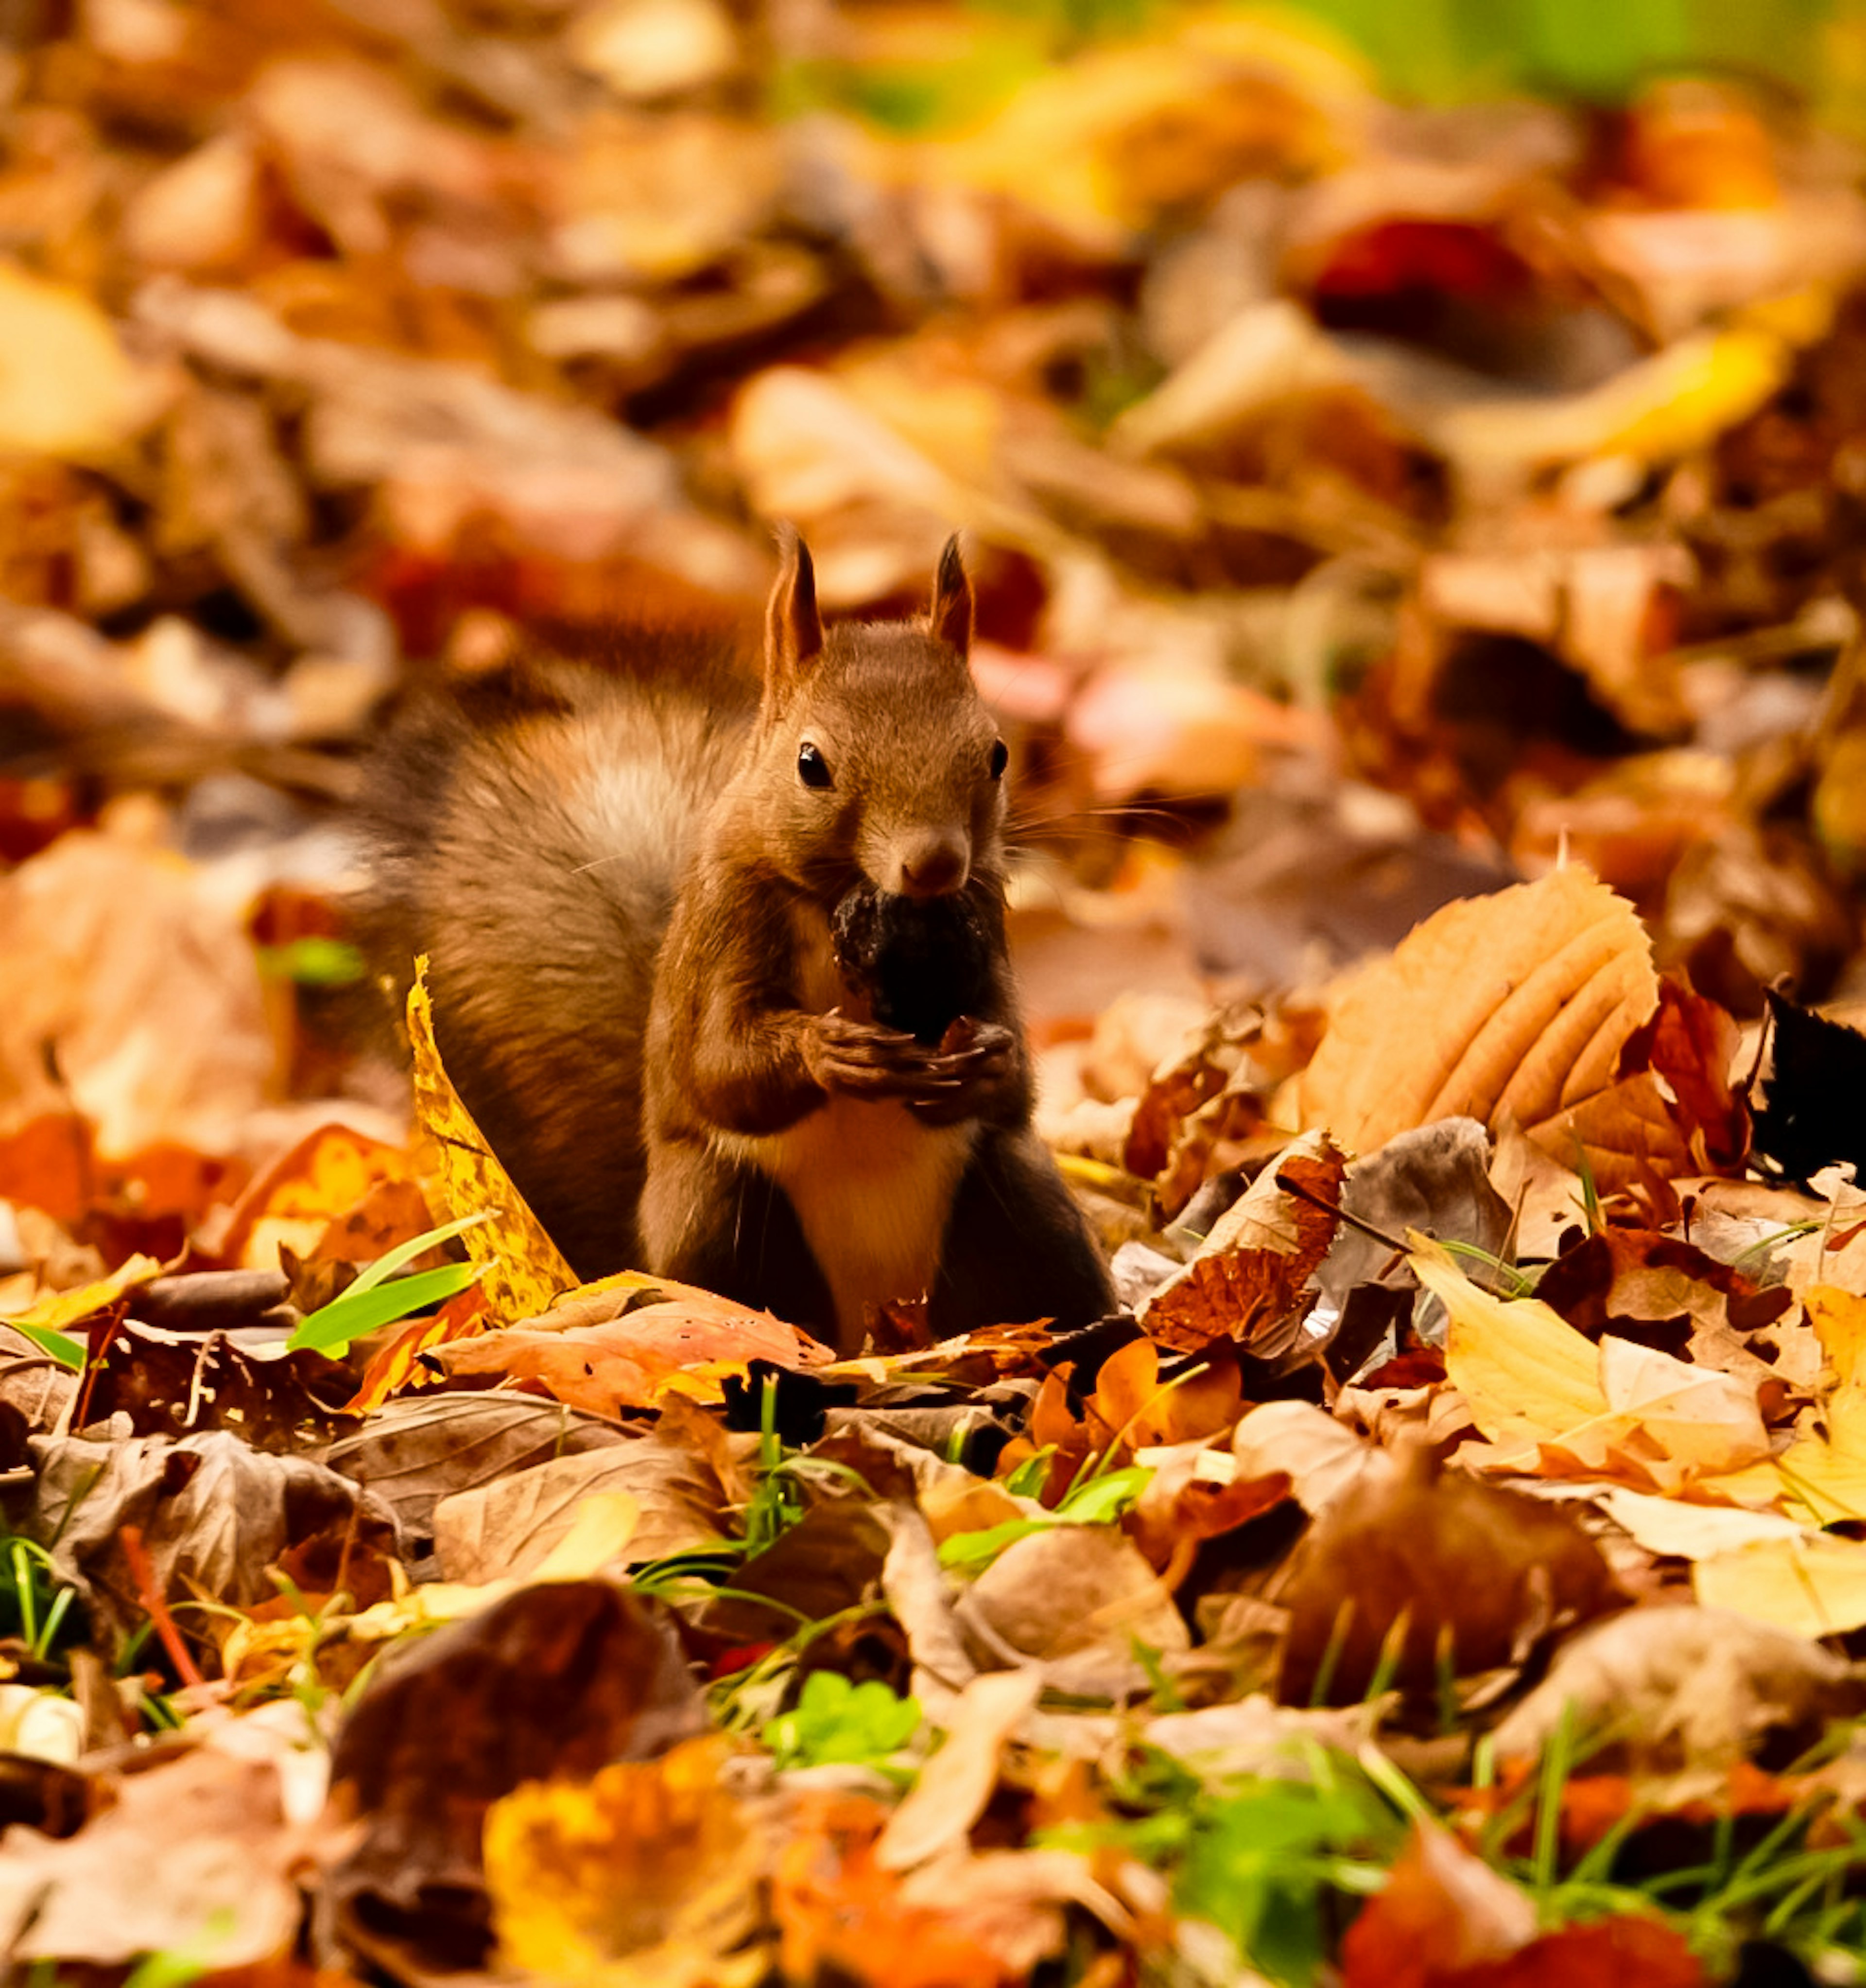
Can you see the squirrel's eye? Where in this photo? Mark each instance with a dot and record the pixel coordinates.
(812, 768)
(1000, 759)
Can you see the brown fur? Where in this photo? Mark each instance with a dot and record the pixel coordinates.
(623, 872)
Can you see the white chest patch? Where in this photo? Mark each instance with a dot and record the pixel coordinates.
(871, 1184)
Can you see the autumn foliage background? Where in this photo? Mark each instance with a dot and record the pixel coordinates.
(1413, 467)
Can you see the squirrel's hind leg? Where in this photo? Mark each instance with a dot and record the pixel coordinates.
(1017, 1247)
(737, 1234)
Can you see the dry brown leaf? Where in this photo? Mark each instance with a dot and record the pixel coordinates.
(1074, 1598)
(1249, 1275)
(955, 1785)
(1517, 1004)
(197, 1855)
(1669, 1688)
(1430, 1571)
(508, 1528)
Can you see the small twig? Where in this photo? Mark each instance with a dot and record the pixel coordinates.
(142, 1571)
(1291, 1185)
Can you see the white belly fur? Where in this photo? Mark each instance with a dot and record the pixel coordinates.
(871, 1184)
(872, 1187)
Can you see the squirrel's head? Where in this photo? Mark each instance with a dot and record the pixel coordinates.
(874, 750)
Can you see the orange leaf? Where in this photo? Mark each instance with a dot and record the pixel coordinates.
(1515, 1006)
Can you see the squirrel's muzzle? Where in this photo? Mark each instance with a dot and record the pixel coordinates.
(929, 866)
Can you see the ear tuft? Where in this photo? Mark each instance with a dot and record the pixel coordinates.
(793, 629)
(951, 621)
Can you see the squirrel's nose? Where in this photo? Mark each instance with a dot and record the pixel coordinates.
(933, 868)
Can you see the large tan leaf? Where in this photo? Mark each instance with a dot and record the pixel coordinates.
(1515, 1006)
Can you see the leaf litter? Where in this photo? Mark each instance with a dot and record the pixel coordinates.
(1416, 561)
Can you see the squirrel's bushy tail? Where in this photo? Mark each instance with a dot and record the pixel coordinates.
(527, 833)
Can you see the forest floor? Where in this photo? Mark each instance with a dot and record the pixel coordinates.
(1418, 557)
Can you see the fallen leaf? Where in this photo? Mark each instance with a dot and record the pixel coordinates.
(954, 1786)
(1073, 1599)
(509, 1528)
(1421, 1574)
(1814, 1586)
(1517, 1004)
(646, 1873)
(215, 1515)
(1665, 1688)
(414, 1451)
(145, 987)
(525, 1272)
(1525, 1373)
(1248, 1276)
(199, 1855)
(557, 1681)
(682, 1340)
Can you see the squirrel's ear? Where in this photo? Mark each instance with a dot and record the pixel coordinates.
(951, 603)
(793, 629)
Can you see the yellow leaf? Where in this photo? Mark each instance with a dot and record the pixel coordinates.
(67, 387)
(1526, 1374)
(645, 1876)
(1811, 1587)
(1828, 1477)
(1680, 399)
(600, 1530)
(66, 1308)
(1699, 1415)
(526, 1272)
(1839, 1319)
(1512, 1006)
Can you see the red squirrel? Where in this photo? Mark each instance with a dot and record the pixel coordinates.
(672, 916)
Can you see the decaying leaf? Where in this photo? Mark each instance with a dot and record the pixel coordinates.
(214, 1513)
(201, 1855)
(1249, 1274)
(563, 1678)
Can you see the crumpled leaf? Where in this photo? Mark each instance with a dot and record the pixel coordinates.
(197, 1855)
(1660, 1690)
(1248, 1276)
(570, 1676)
(1518, 1004)
(1428, 1571)
(647, 1873)
(214, 1514)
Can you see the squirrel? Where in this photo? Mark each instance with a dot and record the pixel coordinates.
(660, 899)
